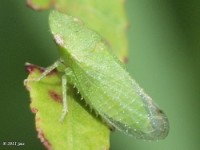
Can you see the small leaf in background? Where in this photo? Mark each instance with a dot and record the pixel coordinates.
(107, 17)
(80, 130)
(39, 4)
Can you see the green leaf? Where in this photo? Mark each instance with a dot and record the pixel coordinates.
(108, 18)
(39, 4)
(80, 130)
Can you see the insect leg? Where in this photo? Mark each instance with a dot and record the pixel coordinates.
(64, 94)
(46, 72)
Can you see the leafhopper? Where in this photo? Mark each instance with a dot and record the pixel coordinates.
(103, 81)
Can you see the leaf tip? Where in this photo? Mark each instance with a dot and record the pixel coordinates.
(30, 68)
(39, 5)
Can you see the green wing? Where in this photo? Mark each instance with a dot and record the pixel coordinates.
(108, 89)
(104, 83)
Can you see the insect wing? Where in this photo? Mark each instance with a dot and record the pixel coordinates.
(110, 90)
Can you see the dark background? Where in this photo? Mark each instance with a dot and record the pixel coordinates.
(164, 57)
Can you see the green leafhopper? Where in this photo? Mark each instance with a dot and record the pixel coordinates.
(103, 81)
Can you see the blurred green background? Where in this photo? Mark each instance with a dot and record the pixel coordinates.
(164, 57)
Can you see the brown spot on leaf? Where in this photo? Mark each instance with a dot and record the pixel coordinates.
(42, 138)
(34, 110)
(125, 60)
(55, 96)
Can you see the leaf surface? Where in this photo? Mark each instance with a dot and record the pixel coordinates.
(80, 130)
